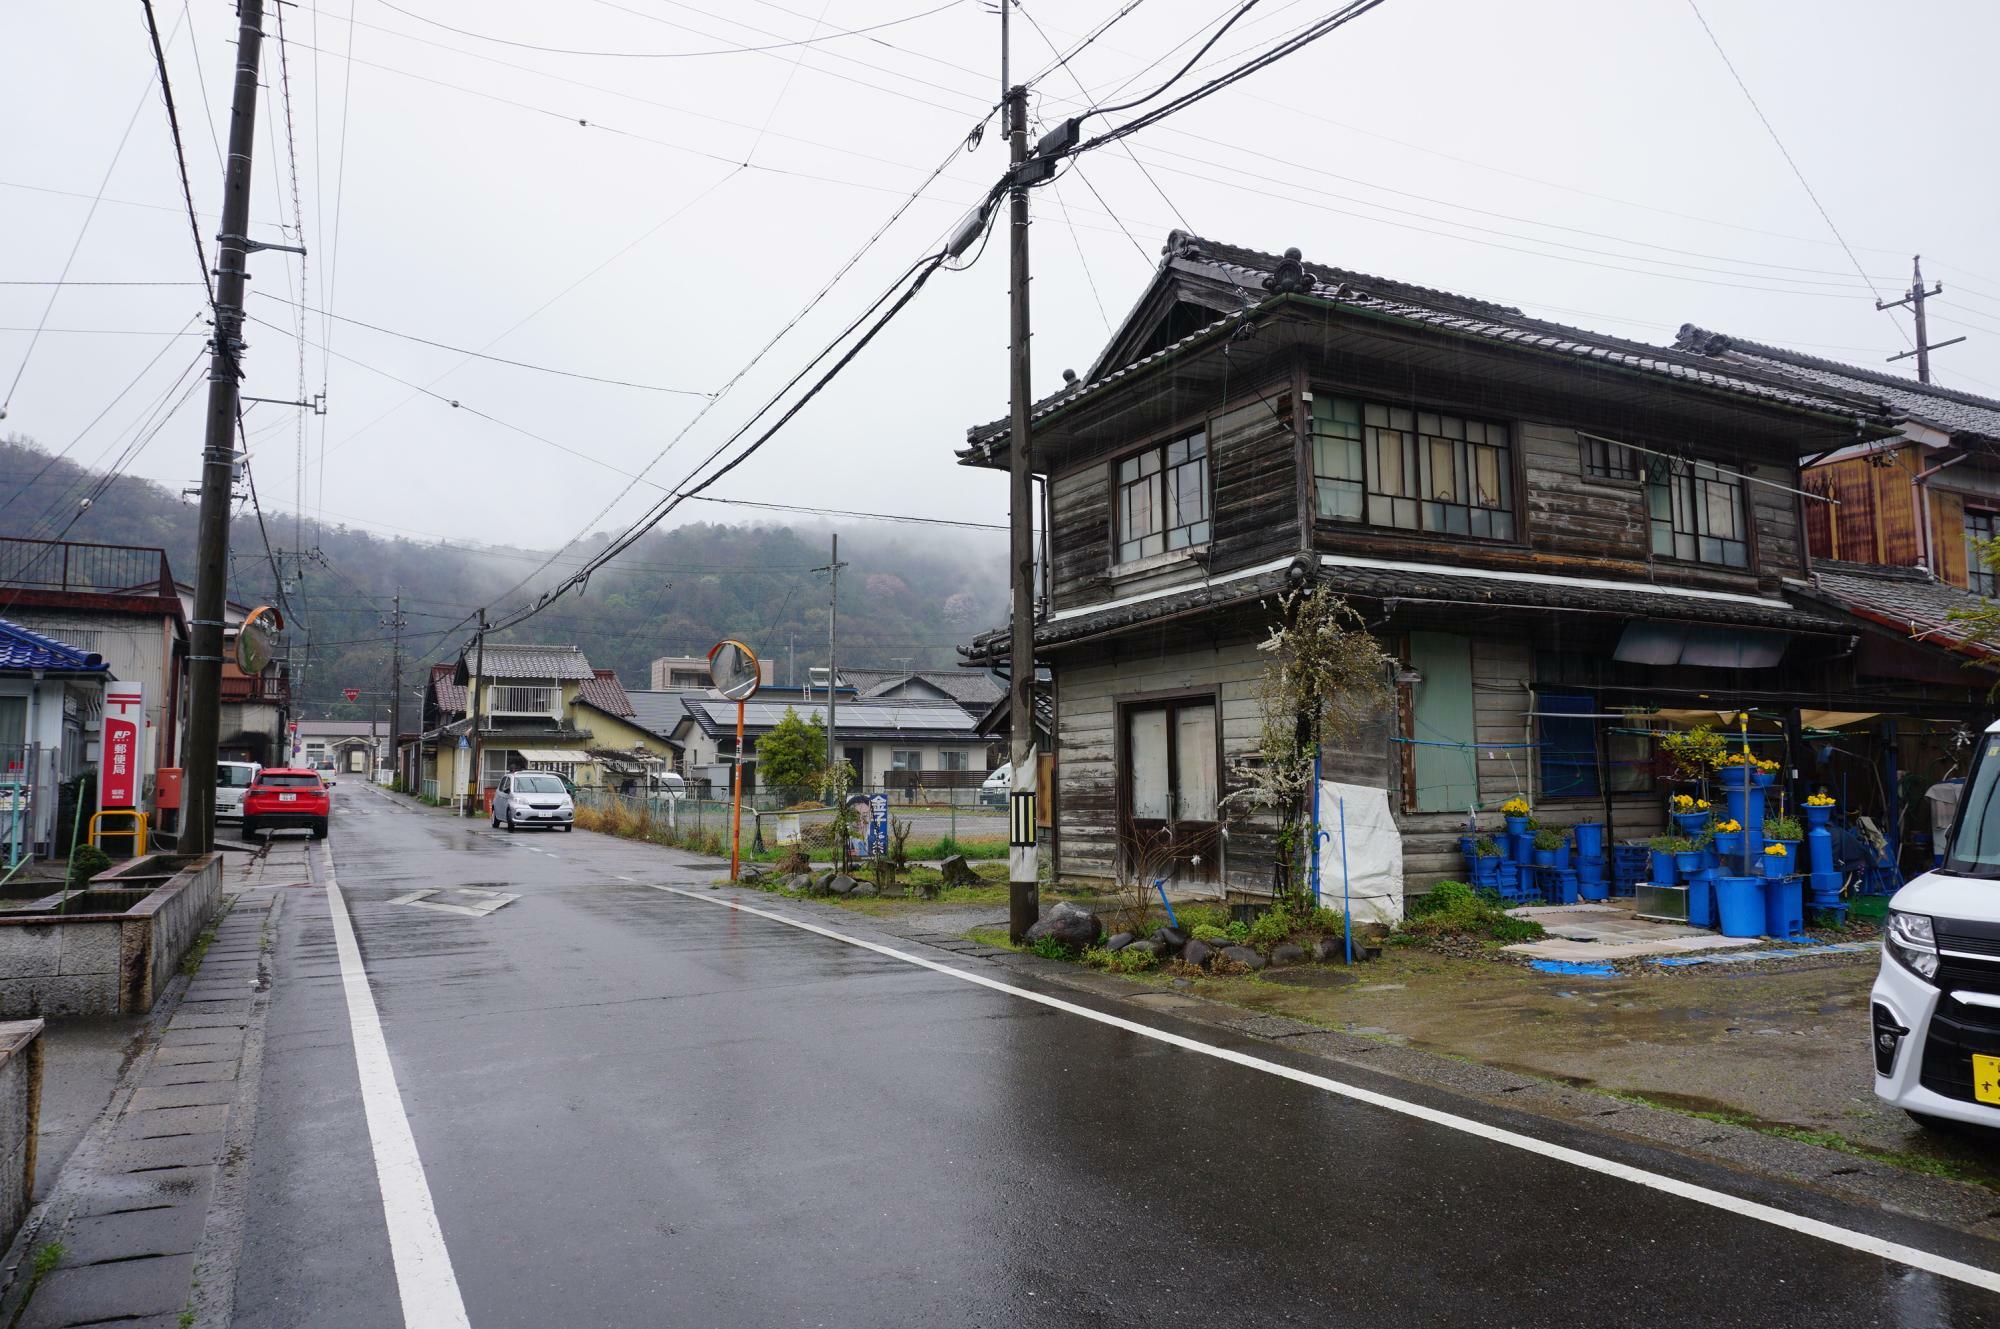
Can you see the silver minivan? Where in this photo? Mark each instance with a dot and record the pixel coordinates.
(533, 798)
(233, 780)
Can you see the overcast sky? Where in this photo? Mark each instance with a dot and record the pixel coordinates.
(1593, 163)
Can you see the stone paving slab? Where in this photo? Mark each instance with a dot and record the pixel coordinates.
(173, 1122)
(150, 1096)
(93, 1294)
(173, 1229)
(193, 1038)
(200, 1020)
(190, 1072)
(171, 1152)
(128, 1191)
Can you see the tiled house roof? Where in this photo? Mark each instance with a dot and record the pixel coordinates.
(1905, 600)
(21, 649)
(565, 664)
(450, 693)
(1955, 412)
(967, 687)
(606, 693)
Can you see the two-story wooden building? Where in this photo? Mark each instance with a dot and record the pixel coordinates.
(1546, 526)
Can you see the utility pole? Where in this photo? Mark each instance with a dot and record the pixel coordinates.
(1023, 886)
(396, 622)
(833, 565)
(472, 808)
(218, 456)
(1915, 298)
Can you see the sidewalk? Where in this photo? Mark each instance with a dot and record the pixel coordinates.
(150, 1189)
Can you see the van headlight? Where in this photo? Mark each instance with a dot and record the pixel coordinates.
(1910, 940)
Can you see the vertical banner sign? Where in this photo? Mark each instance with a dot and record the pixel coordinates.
(878, 824)
(119, 776)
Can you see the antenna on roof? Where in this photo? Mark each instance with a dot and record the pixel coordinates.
(1915, 299)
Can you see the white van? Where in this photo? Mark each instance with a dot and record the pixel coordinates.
(1935, 1010)
(993, 791)
(233, 780)
(667, 784)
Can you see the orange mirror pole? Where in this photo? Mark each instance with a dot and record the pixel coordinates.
(736, 799)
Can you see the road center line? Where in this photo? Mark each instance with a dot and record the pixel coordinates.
(1867, 1244)
(424, 1277)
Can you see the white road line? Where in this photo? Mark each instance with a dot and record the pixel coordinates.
(424, 1276)
(1880, 1247)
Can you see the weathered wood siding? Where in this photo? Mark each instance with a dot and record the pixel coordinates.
(1253, 492)
(1875, 520)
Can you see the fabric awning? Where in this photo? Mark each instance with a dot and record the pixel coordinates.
(1649, 642)
(567, 755)
(1834, 719)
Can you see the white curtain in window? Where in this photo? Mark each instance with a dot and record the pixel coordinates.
(1147, 745)
(1194, 754)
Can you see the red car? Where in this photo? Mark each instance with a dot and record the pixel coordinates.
(287, 798)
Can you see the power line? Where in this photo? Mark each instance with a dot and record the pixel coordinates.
(670, 55)
(481, 355)
(180, 149)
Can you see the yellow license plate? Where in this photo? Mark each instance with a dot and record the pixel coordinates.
(1986, 1079)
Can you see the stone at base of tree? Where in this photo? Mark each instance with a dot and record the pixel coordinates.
(1070, 924)
(800, 882)
(751, 875)
(1244, 956)
(1170, 940)
(1287, 953)
(1152, 948)
(1198, 953)
(839, 883)
(957, 872)
(863, 888)
(1331, 950)
(1119, 942)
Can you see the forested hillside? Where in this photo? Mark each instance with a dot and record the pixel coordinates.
(908, 594)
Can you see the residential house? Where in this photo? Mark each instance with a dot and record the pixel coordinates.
(350, 747)
(537, 708)
(674, 673)
(974, 689)
(1550, 530)
(894, 743)
(48, 692)
(120, 603)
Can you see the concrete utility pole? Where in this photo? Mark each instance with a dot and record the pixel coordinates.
(396, 622)
(1023, 886)
(1915, 298)
(218, 455)
(472, 808)
(833, 565)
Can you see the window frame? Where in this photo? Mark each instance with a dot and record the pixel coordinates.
(1422, 427)
(1604, 762)
(1606, 459)
(1980, 578)
(1171, 702)
(1689, 469)
(1162, 476)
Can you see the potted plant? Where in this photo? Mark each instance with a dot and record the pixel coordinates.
(1516, 811)
(1563, 845)
(1664, 848)
(1781, 834)
(1691, 753)
(1763, 772)
(1546, 844)
(1736, 768)
(1728, 837)
(1818, 808)
(1690, 813)
(1777, 862)
(1687, 855)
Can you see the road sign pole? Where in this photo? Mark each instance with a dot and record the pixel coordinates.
(736, 800)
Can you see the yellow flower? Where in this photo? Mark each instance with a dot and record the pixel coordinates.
(1683, 803)
(1728, 826)
(1774, 851)
(1770, 766)
(1701, 805)
(1514, 807)
(1819, 800)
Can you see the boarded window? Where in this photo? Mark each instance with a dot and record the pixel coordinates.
(1445, 758)
(1568, 745)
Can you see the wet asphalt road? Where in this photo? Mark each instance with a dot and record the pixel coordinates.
(638, 1109)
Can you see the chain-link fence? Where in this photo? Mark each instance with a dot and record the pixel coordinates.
(701, 822)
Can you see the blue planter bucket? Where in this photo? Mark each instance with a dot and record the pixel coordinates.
(1545, 858)
(1663, 868)
(1784, 907)
(1691, 823)
(1763, 779)
(1816, 816)
(1734, 777)
(1589, 840)
(1688, 863)
(1517, 825)
(1562, 857)
(1781, 865)
(1728, 844)
(1592, 890)
(1739, 904)
(1701, 899)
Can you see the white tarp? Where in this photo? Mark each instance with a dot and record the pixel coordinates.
(1374, 872)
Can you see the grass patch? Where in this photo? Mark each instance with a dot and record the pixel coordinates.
(191, 962)
(1454, 909)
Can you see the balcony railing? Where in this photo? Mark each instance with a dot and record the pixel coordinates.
(515, 699)
(64, 565)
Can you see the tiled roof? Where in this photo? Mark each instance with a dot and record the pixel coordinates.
(1245, 271)
(338, 728)
(606, 693)
(450, 693)
(565, 664)
(968, 687)
(22, 649)
(1948, 409)
(1906, 600)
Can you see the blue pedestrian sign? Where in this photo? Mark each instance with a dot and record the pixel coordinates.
(463, 742)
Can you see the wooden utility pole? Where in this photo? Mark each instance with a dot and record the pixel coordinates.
(396, 621)
(1915, 298)
(833, 565)
(1023, 888)
(218, 455)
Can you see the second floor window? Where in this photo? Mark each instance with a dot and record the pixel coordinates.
(1697, 512)
(1410, 469)
(1163, 499)
(1979, 528)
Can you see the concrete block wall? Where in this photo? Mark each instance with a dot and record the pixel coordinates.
(106, 964)
(20, 1120)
